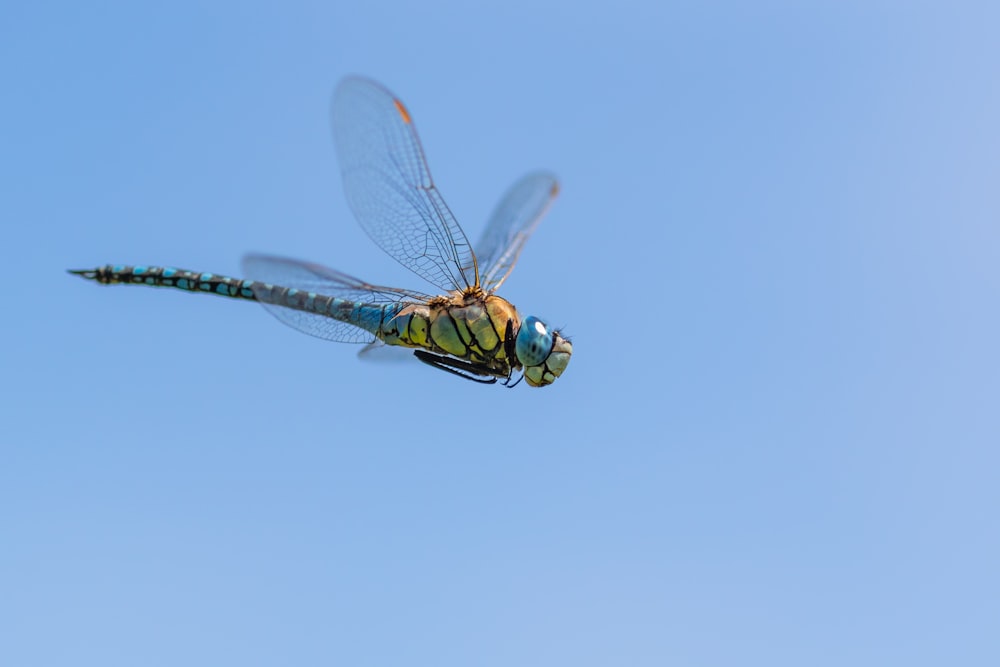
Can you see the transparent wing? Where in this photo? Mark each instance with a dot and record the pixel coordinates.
(321, 280)
(389, 187)
(378, 351)
(512, 222)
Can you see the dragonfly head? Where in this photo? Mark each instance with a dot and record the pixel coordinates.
(543, 352)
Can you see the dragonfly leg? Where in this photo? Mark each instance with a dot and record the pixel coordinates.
(463, 369)
(507, 383)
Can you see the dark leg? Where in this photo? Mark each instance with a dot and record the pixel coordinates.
(463, 369)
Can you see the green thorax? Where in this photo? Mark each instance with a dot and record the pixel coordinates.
(475, 327)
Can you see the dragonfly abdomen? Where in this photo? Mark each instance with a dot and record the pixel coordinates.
(365, 316)
(164, 276)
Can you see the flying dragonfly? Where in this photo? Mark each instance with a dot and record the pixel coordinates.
(466, 329)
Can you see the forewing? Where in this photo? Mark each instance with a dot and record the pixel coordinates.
(310, 277)
(389, 187)
(513, 221)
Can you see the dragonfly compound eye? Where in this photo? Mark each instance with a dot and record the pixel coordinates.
(534, 342)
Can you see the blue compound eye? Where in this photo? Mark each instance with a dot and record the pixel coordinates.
(534, 342)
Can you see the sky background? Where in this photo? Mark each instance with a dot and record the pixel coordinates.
(776, 250)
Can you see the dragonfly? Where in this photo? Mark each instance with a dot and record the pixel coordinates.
(466, 328)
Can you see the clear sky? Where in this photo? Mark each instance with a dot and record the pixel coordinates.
(776, 250)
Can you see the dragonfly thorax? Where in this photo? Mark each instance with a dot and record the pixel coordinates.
(478, 329)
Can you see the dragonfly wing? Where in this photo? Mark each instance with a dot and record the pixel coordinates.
(513, 220)
(378, 351)
(310, 277)
(389, 186)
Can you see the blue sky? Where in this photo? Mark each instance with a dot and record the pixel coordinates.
(776, 251)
